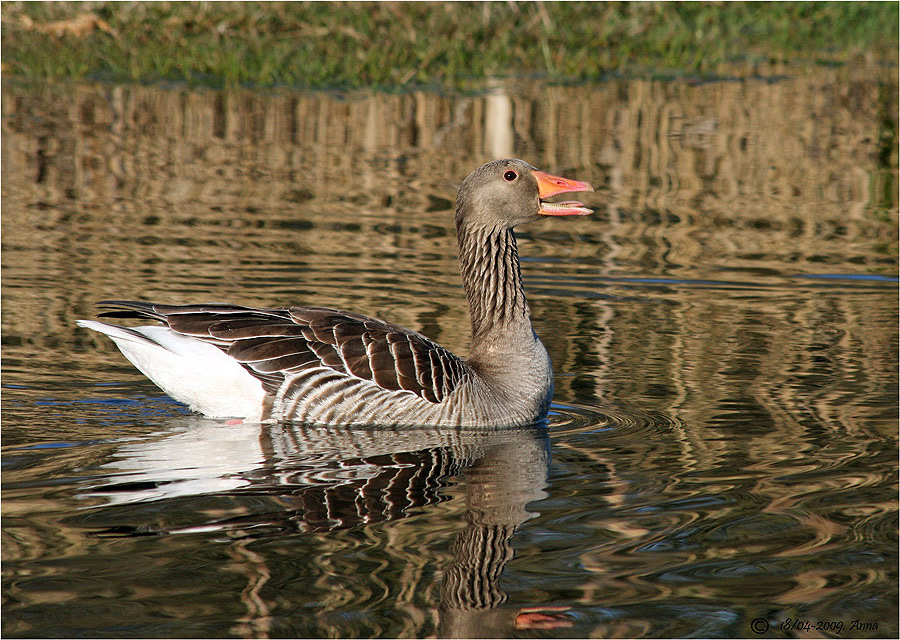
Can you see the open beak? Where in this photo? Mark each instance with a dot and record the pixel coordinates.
(550, 185)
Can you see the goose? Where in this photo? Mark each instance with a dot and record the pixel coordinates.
(324, 366)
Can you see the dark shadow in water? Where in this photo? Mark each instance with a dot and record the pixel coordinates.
(330, 479)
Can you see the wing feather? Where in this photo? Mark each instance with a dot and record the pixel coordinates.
(275, 344)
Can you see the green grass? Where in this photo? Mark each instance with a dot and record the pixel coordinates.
(326, 44)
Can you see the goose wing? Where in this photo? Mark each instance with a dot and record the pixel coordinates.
(273, 344)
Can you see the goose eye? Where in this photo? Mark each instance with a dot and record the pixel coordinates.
(509, 176)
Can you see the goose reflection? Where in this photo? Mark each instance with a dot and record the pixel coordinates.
(328, 479)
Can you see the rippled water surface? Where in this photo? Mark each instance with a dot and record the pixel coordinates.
(721, 458)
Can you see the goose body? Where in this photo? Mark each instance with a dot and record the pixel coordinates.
(321, 365)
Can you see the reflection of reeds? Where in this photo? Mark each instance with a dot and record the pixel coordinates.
(345, 200)
(215, 173)
(141, 189)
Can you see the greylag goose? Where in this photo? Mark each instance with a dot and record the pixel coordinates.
(320, 365)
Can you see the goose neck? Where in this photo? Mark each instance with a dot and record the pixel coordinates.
(489, 262)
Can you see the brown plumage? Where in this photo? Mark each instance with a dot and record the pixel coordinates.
(273, 344)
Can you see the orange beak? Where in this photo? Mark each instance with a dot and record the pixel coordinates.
(550, 185)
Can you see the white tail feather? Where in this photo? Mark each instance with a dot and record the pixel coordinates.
(191, 371)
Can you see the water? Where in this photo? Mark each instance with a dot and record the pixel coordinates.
(721, 458)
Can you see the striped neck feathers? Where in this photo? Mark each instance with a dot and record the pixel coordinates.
(489, 262)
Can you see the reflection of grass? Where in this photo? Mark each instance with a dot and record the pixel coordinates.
(393, 44)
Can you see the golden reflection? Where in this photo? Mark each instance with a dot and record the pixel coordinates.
(257, 622)
(695, 292)
(137, 190)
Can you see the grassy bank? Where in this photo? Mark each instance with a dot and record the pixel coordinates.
(326, 44)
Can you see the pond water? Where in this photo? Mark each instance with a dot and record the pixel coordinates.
(721, 456)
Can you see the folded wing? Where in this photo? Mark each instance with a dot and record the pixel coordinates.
(274, 344)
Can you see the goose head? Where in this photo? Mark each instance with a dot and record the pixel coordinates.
(507, 193)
